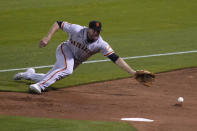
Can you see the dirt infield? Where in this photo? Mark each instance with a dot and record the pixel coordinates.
(113, 100)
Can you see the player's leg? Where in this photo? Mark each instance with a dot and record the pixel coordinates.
(30, 73)
(37, 76)
(62, 68)
(25, 75)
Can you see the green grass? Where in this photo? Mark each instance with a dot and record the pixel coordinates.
(12, 123)
(131, 27)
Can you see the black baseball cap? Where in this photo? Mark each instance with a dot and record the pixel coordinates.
(96, 25)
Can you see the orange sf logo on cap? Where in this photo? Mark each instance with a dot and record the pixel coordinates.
(97, 24)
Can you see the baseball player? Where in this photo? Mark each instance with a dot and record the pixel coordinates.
(83, 42)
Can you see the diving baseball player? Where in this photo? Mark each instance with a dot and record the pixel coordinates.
(83, 42)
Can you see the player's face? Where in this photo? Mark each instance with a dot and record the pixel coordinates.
(93, 34)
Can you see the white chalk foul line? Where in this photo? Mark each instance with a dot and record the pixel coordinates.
(137, 119)
(105, 60)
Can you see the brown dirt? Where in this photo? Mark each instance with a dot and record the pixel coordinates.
(112, 100)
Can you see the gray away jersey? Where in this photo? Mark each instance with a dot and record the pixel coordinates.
(79, 46)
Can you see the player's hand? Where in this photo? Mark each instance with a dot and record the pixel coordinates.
(44, 42)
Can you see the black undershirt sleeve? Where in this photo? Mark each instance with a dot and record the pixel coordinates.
(113, 57)
(59, 23)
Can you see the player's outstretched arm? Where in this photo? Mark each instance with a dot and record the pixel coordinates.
(143, 76)
(48, 37)
(122, 64)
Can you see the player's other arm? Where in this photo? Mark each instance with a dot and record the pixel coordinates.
(55, 27)
(121, 63)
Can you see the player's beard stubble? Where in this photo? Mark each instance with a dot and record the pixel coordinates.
(92, 35)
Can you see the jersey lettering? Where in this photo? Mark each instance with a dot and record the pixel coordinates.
(80, 46)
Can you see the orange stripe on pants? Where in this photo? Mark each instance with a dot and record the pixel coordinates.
(59, 70)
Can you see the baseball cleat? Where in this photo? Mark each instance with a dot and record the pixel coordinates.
(18, 76)
(35, 88)
(26, 75)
